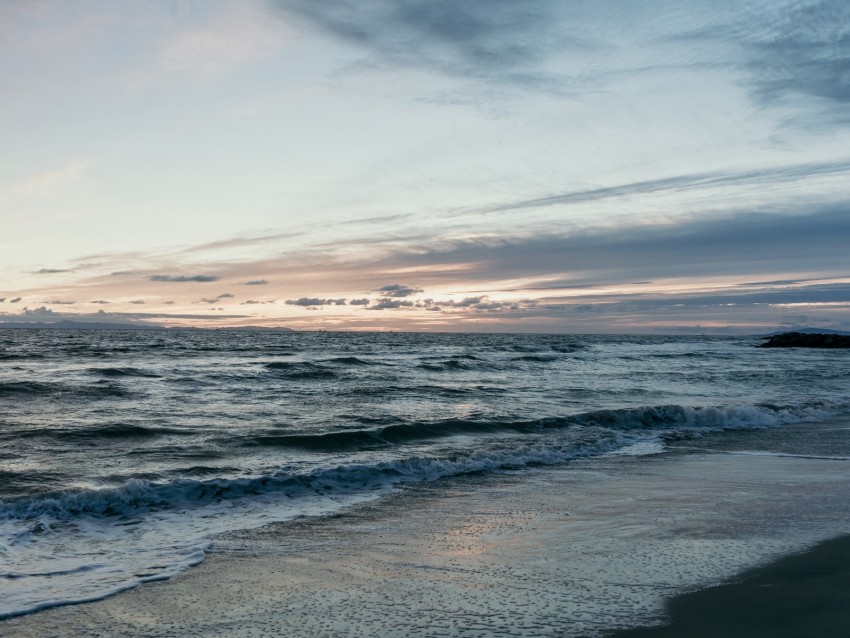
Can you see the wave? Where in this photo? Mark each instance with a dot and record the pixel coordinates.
(536, 348)
(136, 497)
(26, 388)
(123, 372)
(354, 361)
(36, 389)
(112, 431)
(177, 517)
(19, 357)
(683, 419)
(390, 435)
(300, 370)
(566, 438)
(29, 481)
(569, 347)
(539, 358)
(667, 420)
(448, 365)
(788, 455)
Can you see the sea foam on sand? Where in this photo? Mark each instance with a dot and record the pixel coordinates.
(574, 550)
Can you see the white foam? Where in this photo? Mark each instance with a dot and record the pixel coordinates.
(81, 546)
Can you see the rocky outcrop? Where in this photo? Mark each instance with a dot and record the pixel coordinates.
(805, 340)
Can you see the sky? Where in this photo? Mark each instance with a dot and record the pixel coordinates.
(567, 166)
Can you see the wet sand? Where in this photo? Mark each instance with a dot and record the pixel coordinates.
(796, 597)
(579, 550)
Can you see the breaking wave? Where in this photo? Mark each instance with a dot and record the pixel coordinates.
(559, 440)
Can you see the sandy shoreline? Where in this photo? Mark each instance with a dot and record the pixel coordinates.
(801, 595)
(578, 550)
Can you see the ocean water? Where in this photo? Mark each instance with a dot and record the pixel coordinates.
(122, 454)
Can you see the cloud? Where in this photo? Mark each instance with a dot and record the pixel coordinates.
(216, 299)
(471, 304)
(256, 282)
(464, 303)
(681, 183)
(389, 304)
(785, 50)
(47, 181)
(805, 295)
(42, 311)
(2, 299)
(746, 244)
(780, 282)
(238, 242)
(497, 39)
(309, 302)
(50, 271)
(15, 300)
(102, 315)
(138, 301)
(100, 301)
(398, 290)
(494, 306)
(183, 278)
(57, 302)
(804, 50)
(358, 302)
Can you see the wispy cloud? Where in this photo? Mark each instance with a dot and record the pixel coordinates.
(498, 39)
(744, 244)
(804, 51)
(391, 304)
(398, 290)
(51, 179)
(782, 50)
(311, 302)
(681, 183)
(184, 278)
(217, 298)
(102, 315)
(239, 242)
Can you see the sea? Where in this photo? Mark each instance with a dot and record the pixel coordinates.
(123, 454)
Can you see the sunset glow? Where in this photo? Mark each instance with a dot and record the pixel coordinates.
(427, 165)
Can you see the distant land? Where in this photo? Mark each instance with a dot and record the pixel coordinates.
(809, 331)
(244, 329)
(806, 340)
(102, 325)
(77, 325)
(67, 324)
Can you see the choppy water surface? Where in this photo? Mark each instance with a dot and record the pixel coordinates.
(122, 453)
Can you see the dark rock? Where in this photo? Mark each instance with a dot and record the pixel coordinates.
(804, 340)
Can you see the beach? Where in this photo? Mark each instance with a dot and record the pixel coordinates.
(801, 595)
(424, 318)
(581, 549)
